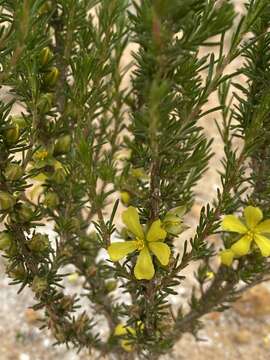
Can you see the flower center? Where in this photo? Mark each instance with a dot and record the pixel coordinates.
(41, 155)
(140, 244)
(250, 234)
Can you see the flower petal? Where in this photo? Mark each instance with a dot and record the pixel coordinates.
(242, 246)
(156, 232)
(144, 268)
(130, 218)
(263, 227)
(122, 329)
(127, 345)
(118, 250)
(162, 251)
(253, 215)
(226, 257)
(263, 244)
(232, 223)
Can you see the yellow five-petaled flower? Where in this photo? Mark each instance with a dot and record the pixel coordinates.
(252, 230)
(144, 242)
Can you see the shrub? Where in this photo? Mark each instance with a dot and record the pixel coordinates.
(92, 129)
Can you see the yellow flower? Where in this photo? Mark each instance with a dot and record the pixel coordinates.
(144, 242)
(252, 230)
(122, 330)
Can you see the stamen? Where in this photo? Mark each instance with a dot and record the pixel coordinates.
(250, 234)
(140, 244)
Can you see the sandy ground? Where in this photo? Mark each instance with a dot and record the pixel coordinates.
(242, 332)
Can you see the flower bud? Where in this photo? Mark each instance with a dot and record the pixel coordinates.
(125, 197)
(45, 56)
(5, 240)
(12, 250)
(12, 134)
(24, 213)
(45, 8)
(52, 76)
(75, 224)
(59, 176)
(7, 201)
(62, 145)
(39, 284)
(45, 102)
(111, 285)
(73, 278)
(16, 272)
(51, 200)
(139, 173)
(20, 121)
(13, 172)
(172, 222)
(39, 243)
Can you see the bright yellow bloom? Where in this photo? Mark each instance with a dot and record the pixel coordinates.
(122, 330)
(151, 240)
(252, 230)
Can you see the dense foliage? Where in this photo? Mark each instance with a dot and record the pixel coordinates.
(80, 127)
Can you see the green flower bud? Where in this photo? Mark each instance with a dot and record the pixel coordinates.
(45, 8)
(5, 240)
(12, 250)
(178, 211)
(13, 172)
(51, 200)
(172, 222)
(39, 284)
(17, 272)
(87, 242)
(52, 76)
(59, 176)
(45, 102)
(20, 121)
(45, 56)
(75, 224)
(139, 174)
(7, 201)
(12, 134)
(24, 213)
(62, 145)
(39, 243)
(111, 286)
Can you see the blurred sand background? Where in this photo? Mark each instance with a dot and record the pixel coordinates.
(243, 332)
